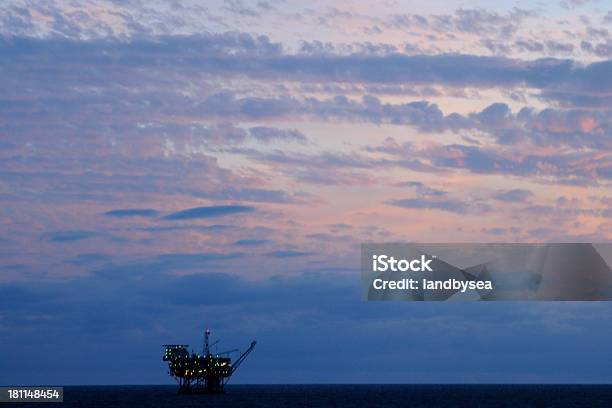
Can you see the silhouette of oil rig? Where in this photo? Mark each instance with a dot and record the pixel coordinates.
(202, 373)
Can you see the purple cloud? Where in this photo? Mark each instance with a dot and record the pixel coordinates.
(513, 196)
(209, 212)
(132, 212)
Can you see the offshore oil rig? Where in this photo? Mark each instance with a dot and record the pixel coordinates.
(202, 373)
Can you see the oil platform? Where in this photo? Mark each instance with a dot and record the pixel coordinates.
(202, 373)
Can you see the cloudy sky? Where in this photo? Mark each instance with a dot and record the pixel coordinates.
(166, 166)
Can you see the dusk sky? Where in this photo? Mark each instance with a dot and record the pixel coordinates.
(171, 166)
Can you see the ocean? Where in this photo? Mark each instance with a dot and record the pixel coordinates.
(389, 396)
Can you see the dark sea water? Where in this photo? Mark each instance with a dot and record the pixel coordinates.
(447, 396)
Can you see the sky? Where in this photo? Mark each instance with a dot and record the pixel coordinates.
(171, 166)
